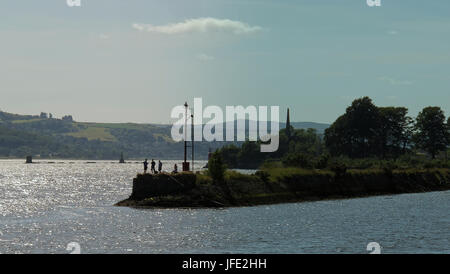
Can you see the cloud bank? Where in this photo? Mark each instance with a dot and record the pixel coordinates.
(200, 25)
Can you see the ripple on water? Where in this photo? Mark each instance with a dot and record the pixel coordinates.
(46, 206)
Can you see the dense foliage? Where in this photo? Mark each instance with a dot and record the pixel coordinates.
(365, 135)
(216, 167)
(366, 130)
(302, 144)
(432, 134)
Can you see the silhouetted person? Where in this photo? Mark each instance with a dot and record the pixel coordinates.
(175, 169)
(145, 166)
(159, 166)
(153, 170)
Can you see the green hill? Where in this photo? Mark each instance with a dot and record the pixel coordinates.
(41, 136)
(22, 135)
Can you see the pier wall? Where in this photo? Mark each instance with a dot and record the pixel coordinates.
(154, 185)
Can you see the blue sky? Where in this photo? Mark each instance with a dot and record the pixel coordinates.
(133, 61)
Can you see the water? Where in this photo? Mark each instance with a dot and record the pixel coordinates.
(44, 207)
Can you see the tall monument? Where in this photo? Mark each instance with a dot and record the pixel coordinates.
(288, 125)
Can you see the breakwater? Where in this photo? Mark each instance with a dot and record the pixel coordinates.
(199, 190)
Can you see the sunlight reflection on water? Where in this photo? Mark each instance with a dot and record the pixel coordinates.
(43, 207)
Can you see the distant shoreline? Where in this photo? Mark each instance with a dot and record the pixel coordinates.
(37, 160)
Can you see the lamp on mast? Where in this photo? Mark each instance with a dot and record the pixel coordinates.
(185, 163)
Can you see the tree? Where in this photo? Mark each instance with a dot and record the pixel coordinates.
(394, 131)
(448, 124)
(297, 160)
(67, 118)
(366, 130)
(355, 133)
(431, 131)
(448, 144)
(43, 115)
(230, 155)
(250, 154)
(337, 137)
(448, 127)
(216, 167)
(306, 142)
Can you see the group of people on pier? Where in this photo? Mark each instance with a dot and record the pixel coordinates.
(153, 167)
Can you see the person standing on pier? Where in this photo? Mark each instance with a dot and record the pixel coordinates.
(145, 165)
(153, 170)
(159, 166)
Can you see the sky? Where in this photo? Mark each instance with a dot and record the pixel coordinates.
(134, 60)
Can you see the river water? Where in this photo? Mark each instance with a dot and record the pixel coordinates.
(46, 206)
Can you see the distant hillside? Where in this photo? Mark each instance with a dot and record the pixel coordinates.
(320, 127)
(42, 136)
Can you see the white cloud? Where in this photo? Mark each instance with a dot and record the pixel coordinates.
(103, 36)
(200, 25)
(205, 57)
(393, 81)
(393, 32)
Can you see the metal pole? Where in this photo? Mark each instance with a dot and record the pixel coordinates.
(192, 140)
(185, 131)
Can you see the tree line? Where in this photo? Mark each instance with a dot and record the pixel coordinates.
(364, 131)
